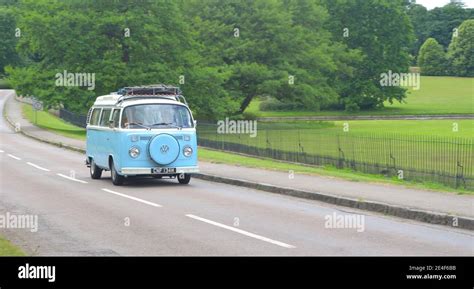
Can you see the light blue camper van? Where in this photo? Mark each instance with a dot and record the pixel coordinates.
(142, 131)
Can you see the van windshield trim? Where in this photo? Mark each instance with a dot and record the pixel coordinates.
(156, 116)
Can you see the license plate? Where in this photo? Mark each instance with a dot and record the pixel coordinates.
(164, 170)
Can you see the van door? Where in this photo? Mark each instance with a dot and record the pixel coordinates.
(114, 142)
(93, 133)
(103, 138)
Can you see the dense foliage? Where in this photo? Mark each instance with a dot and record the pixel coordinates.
(461, 50)
(438, 23)
(314, 54)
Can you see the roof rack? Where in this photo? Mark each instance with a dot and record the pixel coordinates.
(151, 91)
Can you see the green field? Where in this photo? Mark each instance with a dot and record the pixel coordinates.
(437, 95)
(8, 249)
(463, 128)
(424, 148)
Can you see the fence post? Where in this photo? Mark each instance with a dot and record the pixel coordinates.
(340, 163)
(391, 157)
(301, 148)
(268, 145)
(459, 175)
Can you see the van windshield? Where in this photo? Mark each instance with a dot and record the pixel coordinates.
(156, 116)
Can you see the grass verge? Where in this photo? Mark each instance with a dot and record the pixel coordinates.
(8, 249)
(52, 123)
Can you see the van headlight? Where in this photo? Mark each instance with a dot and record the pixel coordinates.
(187, 151)
(134, 152)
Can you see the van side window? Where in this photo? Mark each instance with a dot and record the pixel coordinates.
(104, 119)
(94, 120)
(116, 117)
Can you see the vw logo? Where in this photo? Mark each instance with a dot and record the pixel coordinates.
(164, 149)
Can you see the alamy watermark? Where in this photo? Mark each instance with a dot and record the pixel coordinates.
(13, 221)
(75, 79)
(37, 272)
(400, 79)
(228, 126)
(345, 221)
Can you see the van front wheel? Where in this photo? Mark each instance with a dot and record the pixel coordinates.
(116, 178)
(184, 178)
(95, 171)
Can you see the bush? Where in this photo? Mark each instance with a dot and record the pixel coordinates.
(275, 105)
(4, 84)
(432, 59)
(249, 115)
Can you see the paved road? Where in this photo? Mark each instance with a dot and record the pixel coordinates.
(81, 216)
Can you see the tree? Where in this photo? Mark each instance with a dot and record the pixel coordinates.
(431, 58)
(269, 47)
(444, 19)
(437, 23)
(90, 37)
(381, 31)
(419, 17)
(461, 50)
(8, 55)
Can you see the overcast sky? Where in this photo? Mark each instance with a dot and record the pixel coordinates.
(430, 4)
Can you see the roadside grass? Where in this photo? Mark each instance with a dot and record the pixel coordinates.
(216, 156)
(8, 249)
(52, 123)
(437, 95)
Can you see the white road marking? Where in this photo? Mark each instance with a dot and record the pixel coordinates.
(2, 151)
(72, 179)
(132, 198)
(241, 232)
(38, 167)
(14, 157)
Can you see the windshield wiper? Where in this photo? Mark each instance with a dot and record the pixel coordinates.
(139, 124)
(167, 123)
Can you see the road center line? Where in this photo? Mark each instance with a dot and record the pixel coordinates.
(72, 179)
(14, 157)
(38, 167)
(132, 198)
(241, 232)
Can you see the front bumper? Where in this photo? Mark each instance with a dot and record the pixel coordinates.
(149, 171)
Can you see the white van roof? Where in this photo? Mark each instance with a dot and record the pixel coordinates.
(155, 93)
(113, 100)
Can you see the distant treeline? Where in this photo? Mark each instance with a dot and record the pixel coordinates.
(444, 39)
(222, 53)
